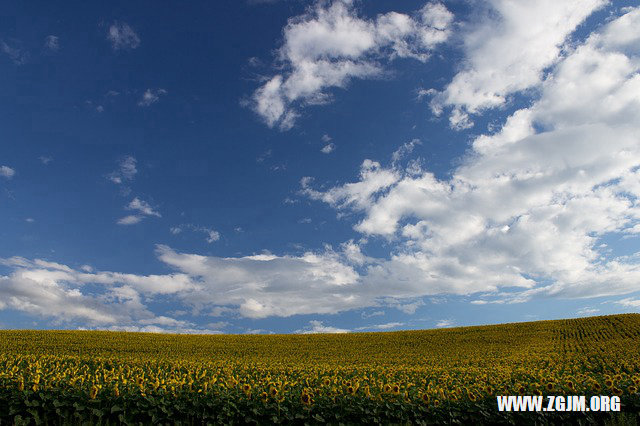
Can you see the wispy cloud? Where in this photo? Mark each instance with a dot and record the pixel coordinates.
(372, 314)
(445, 323)
(629, 303)
(126, 171)
(130, 220)
(387, 326)
(143, 209)
(211, 234)
(122, 36)
(17, 55)
(316, 327)
(151, 96)
(328, 148)
(52, 43)
(7, 172)
(587, 311)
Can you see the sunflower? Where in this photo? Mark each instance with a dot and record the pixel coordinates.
(617, 391)
(549, 386)
(350, 390)
(246, 387)
(264, 396)
(608, 383)
(632, 389)
(305, 398)
(396, 389)
(425, 398)
(387, 388)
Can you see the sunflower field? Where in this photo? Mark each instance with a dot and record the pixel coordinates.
(408, 377)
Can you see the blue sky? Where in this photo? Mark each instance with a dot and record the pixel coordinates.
(298, 166)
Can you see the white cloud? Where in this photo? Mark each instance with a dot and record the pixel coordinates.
(459, 120)
(122, 36)
(587, 311)
(326, 138)
(142, 207)
(17, 55)
(45, 160)
(52, 43)
(29, 220)
(328, 148)
(408, 308)
(386, 326)
(7, 172)
(629, 303)
(130, 220)
(126, 171)
(266, 285)
(445, 323)
(528, 203)
(53, 290)
(316, 327)
(507, 51)
(372, 314)
(329, 45)
(211, 234)
(151, 96)
(404, 150)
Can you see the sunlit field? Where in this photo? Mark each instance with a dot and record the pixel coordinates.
(449, 375)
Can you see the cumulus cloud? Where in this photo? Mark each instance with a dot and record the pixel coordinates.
(7, 172)
(329, 45)
(122, 36)
(529, 203)
(256, 286)
(54, 290)
(507, 51)
(264, 285)
(151, 96)
(522, 215)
